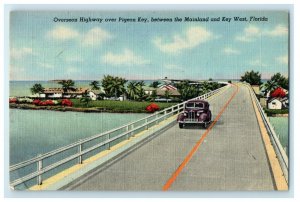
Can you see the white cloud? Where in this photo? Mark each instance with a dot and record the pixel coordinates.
(17, 53)
(249, 34)
(190, 39)
(257, 62)
(45, 65)
(231, 51)
(252, 32)
(96, 36)
(125, 58)
(63, 33)
(279, 30)
(283, 59)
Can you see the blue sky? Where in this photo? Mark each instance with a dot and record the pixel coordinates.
(41, 49)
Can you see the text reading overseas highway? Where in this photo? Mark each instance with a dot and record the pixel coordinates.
(159, 19)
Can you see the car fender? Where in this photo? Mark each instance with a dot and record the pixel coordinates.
(180, 117)
(203, 117)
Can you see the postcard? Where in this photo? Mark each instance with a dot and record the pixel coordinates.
(152, 100)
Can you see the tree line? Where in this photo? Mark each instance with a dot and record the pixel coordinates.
(115, 87)
(277, 80)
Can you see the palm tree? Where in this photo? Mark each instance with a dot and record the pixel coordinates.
(132, 90)
(269, 86)
(135, 90)
(141, 91)
(67, 85)
(113, 86)
(253, 78)
(116, 87)
(37, 88)
(85, 99)
(281, 80)
(95, 85)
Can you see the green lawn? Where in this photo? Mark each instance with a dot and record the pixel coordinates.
(111, 105)
(270, 112)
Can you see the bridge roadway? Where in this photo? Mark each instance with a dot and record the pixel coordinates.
(231, 157)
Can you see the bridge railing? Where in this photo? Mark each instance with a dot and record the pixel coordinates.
(35, 169)
(280, 152)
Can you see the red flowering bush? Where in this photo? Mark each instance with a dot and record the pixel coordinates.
(152, 107)
(13, 100)
(278, 92)
(49, 102)
(43, 103)
(36, 102)
(67, 103)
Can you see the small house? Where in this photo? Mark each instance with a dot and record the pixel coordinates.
(149, 90)
(165, 87)
(172, 93)
(275, 103)
(94, 94)
(59, 93)
(52, 93)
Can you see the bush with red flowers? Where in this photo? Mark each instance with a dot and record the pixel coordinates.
(152, 107)
(66, 102)
(36, 102)
(49, 102)
(278, 92)
(13, 100)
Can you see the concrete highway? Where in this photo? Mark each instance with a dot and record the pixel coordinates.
(229, 156)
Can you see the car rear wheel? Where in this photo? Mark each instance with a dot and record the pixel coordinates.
(180, 125)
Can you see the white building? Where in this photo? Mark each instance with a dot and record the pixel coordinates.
(148, 90)
(275, 103)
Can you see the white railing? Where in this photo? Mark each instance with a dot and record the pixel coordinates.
(106, 140)
(280, 152)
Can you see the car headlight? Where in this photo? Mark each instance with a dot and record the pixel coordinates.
(198, 113)
(185, 114)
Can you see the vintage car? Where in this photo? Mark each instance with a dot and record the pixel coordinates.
(195, 111)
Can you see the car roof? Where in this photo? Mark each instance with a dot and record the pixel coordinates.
(197, 101)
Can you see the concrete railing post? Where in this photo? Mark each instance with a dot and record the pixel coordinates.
(108, 144)
(79, 151)
(146, 122)
(39, 168)
(165, 112)
(127, 129)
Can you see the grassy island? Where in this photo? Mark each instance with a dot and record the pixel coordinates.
(97, 106)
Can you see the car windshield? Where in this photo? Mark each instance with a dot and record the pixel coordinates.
(194, 105)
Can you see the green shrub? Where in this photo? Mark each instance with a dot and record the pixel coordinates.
(270, 112)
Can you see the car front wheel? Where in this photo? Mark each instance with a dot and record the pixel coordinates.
(180, 125)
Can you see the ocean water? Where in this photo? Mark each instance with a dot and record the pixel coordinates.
(281, 127)
(34, 132)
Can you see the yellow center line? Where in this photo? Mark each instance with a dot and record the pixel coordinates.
(174, 176)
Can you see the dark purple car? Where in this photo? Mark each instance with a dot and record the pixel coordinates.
(195, 111)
